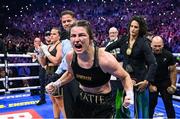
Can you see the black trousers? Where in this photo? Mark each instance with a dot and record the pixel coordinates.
(166, 97)
(35, 70)
(2, 87)
(70, 94)
(42, 73)
(94, 105)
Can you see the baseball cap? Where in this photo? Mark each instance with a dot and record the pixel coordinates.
(47, 33)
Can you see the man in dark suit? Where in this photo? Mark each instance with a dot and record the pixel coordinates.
(1, 46)
(1, 61)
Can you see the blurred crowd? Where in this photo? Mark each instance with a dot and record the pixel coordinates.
(161, 17)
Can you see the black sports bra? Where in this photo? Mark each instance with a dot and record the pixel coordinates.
(92, 77)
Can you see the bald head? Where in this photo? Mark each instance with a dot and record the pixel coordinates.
(113, 33)
(157, 44)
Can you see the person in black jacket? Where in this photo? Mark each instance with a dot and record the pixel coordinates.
(2, 73)
(139, 61)
(1, 46)
(165, 78)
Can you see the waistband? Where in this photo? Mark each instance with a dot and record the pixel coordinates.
(96, 98)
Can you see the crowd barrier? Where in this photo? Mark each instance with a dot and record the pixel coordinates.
(6, 78)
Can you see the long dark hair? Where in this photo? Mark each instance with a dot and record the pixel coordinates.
(142, 25)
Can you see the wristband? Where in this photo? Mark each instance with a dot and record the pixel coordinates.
(46, 52)
(57, 83)
(174, 87)
(45, 49)
(39, 53)
(131, 95)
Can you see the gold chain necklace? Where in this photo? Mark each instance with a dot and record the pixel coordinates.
(130, 46)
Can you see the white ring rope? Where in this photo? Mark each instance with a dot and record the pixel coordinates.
(16, 55)
(176, 54)
(177, 84)
(20, 78)
(21, 88)
(20, 64)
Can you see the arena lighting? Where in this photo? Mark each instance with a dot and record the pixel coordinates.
(103, 18)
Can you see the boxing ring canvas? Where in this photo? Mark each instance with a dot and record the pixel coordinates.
(24, 105)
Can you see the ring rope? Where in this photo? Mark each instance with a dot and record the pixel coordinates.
(20, 64)
(16, 55)
(20, 78)
(21, 88)
(37, 64)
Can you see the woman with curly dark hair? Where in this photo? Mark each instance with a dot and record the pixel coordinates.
(139, 62)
